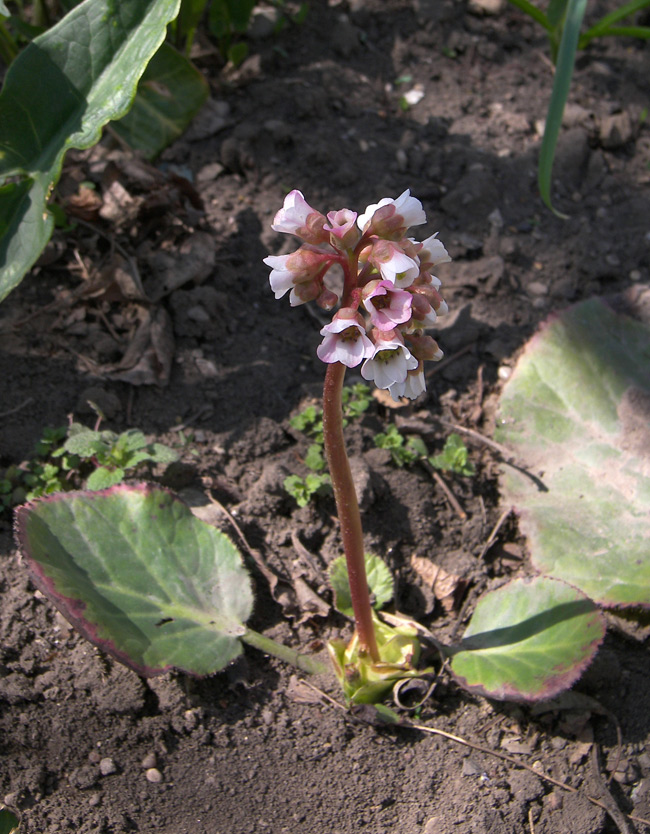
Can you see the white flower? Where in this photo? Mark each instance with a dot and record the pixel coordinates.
(297, 217)
(345, 340)
(401, 213)
(301, 272)
(393, 264)
(390, 362)
(412, 387)
(433, 253)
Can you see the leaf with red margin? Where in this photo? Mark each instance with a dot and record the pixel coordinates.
(576, 413)
(528, 641)
(139, 576)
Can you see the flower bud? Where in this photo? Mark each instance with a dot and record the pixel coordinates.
(424, 347)
(343, 232)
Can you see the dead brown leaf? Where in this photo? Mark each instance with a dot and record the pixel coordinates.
(193, 261)
(85, 204)
(148, 358)
(384, 398)
(443, 584)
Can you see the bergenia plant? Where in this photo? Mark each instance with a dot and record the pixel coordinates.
(388, 299)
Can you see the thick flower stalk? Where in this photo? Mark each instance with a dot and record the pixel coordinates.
(389, 297)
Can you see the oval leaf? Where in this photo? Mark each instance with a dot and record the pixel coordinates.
(528, 641)
(380, 583)
(138, 575)
(577, 410)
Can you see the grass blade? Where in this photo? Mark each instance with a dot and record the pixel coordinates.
(561, 85)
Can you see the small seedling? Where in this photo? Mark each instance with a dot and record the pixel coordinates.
(87, 457)
(355, 400)
(111, 454)
(454, 458)
(303, 489)
(404, 451)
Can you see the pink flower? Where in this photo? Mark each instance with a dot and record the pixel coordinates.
(305, 266)
(391, 218)
(345, 339)
(393, 264)
(387, 306)
(343, 232)
(390, 361)
(297, 217)
(413, 385)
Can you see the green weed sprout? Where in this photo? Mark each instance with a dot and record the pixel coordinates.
(355, 401)
(67, 458)
(406, 451)
(562, 21)
(454, 458)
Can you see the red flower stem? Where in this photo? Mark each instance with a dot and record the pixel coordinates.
(347, 507)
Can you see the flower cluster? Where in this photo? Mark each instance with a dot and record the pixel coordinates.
(389, 296)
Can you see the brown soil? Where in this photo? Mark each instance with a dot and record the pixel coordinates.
(317, 107)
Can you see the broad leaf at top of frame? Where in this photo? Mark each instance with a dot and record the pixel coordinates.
(139, 576)
(528, 641)
(58, 94)
(170, 93)
(576, 415)
(380, 583)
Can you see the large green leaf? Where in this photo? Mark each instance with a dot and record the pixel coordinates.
(576, 413)
(140, 576)
(528, 641)
(170, 94)
(57, 95)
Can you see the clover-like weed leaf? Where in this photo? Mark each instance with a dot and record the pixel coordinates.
(380, 583)
(138, 575)
(576, 414)
(528, 640)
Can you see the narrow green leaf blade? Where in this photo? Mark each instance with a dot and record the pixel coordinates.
(528, 641)
(563, 73)
(87, 67)
(577, 410)
(171, 92)
(138, 575)
(604, 25)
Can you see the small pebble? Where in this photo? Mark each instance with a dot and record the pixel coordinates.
(153, 775)
(149, 761)
(537, 288)
(635, 275)
(107, 766)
